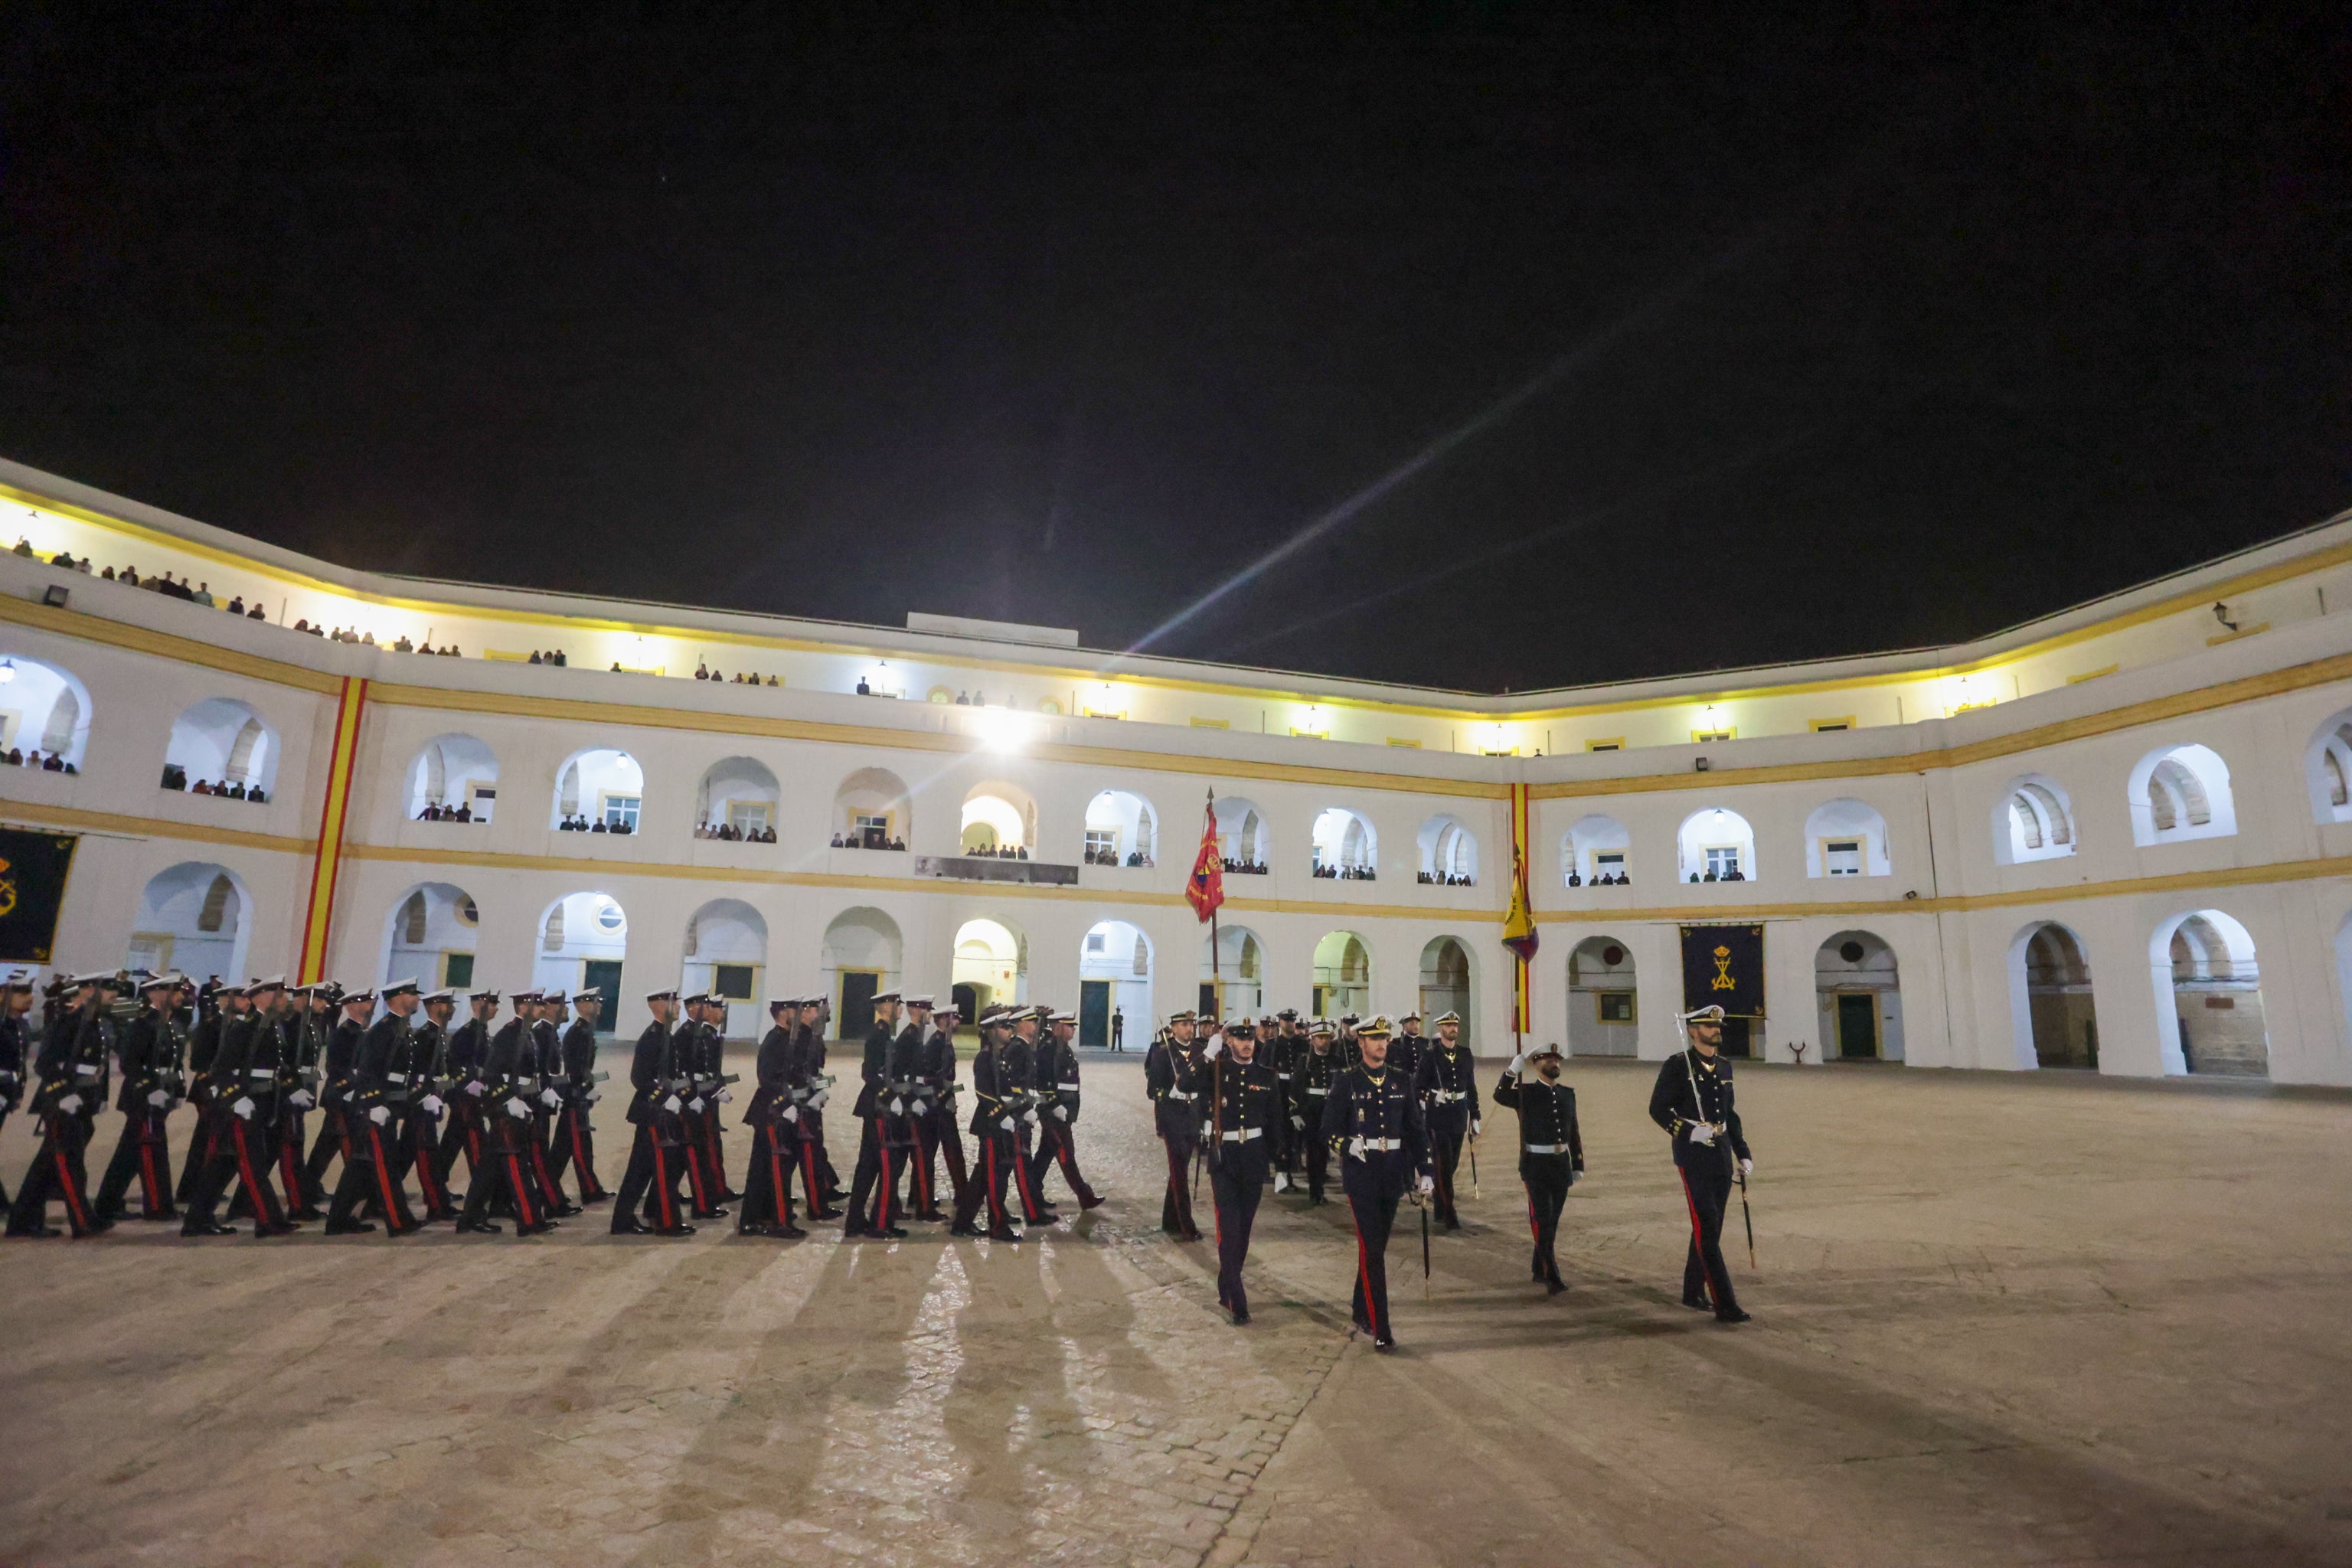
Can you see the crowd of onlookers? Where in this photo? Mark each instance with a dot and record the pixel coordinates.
(729, 832)
(581, 824)
(1611, 879)
(864, 841)
(1245, 868)
(996, 852)
(436, 811)
(1448, 880)
(1349, 873)
(175, 777)
(1733, 875)
(50, 763)
(1110, 858)
(704, 672)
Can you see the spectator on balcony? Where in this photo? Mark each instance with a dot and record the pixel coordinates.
(203, 596)
(25, 548)
(257, 613)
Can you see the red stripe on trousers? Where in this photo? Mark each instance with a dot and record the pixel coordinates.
(245, 1174)
(1697, 1240)
(79, 1216)
(383, 1183)
(1364, 1281)
(890, 1184)
(662, 1185)
(585, 1171)
(522, 1189)
(1533, 1230)
(151, 1189)
(780, 1184)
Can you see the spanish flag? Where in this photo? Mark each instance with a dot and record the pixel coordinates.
(1519, 926)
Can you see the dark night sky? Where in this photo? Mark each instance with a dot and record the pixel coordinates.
(1890, 329)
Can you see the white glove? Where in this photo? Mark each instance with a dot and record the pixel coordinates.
(816, 1100)
(1030, 1116)
(1061, 1113)
(242, 1106)
(158, 1096)
(724, 1095)
(379, 1114)
(792, 1113)
(1356, 1147)
(550, 1098)
(476, 1088)
(1474, 1131)
(69, 1104)
(1746, 1167)
(897, 1108)
(1424, 1187)
(301, 1097)
(1702, 1132)
(432, 1103)
(1299, 1122)
(695, 1105)
(591, 1097)
(671, 1103)
(1517, 1062)
(1008, 1125)
(518, 1109)
(1215, 1049)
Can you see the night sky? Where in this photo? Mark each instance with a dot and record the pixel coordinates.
(1603, 344)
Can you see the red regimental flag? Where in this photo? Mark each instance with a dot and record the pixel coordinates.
(1206, 889)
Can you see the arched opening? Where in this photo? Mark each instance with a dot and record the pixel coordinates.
(1449, 853)
(454, 779)
(737, 799)
(1446, 985)
(1861, 998)
(1717, 845)
(1846, 838)
(872, 810)
(1595, 853)
(195, 916)
(992, 967)
(1345, 847)
(999, 820)
(221, 746)
(1121, 831)
(2032, 819)
(726, 955)
(44, 714)
(1236, 983)
(583, 939)
(2208, 998)
(864, 956)
(2181, 793)
(1242, 836)
(1343, 976)
(599, 790)
(2051, 1010)
(2327, 769)
(1601, 1021)
(430, 936)
(1114, 982)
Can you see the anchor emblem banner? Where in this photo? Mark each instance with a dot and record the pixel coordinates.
(32, 869)
(1724, 967)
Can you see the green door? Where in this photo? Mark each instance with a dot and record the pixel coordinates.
(1093, 1012)
(603, 974)
(857, 1016)
(1857, 1024)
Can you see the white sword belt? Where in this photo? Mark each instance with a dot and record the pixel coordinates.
(1384, 1145)
(1546, 1147)
(1069, 1087)
(1449, 1094)
(1244, 1136)
(1319, 1091)
(1176, 1094)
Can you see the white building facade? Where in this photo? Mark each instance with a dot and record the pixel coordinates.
(2118, 840)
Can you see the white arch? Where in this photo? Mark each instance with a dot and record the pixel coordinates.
(452, 771)
(2052, 1020)
(992, 958)
(872, 809)
(739, 792)
(1121, 829)
(2203, 965)
(196, 917)
(1343, 974)
(222, 741)
(1344, 843)
(1115, 964)
(2180, 793)
(727, 952)
(430, 934)
(865, 941)
(1239, 972)
(1602, 989)
(1596, 846)
(1242, 834)
(600, 783)
(583, 939)
(1449, 851)
(2327, 769)
(1447, 986)
(43, 707)
(1848, 966)
(2032, 819)
(1846, 837)
(1714, 840)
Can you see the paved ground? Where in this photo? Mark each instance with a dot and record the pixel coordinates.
(1998, 1321)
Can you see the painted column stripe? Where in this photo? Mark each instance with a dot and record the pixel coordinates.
(327, 860)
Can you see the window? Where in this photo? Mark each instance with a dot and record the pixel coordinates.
(456, 969)
(1617, 744)
(747, 815)
(733, 981)
(621, 811)
(1094, 942)
(1616, 1007)
(1722, 860)
(480, 800)
(609, 916)
(1824, 726)
(1841, 857)
(1608, 863)
(1102, 847)
(1701, 737)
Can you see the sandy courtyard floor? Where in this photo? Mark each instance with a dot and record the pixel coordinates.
(1999, 1321)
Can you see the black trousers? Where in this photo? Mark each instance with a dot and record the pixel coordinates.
(650, 1184)
(1547, 1178)
(573, 1146)
(463, 1135)
(1708, 1185)
(999, 1154)
(1319, 1160)
(199, 1151)
(941, 1135)
(812, 1136)
(303, 1191)
(1236, 1185)
(1445, 1149)
(140, 1153)
(371, 1180)
(323, 1150)
(1375, 1217)
(417, 1148)
(239, 1149)
(508, 1180)
(875, 1187)
(1058, 1141)
(767, 1190)
(1176, 1208)
(57, 1171)
(1033, 1207)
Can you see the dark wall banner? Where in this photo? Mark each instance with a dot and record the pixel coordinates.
(1723, 966)
(33, 867)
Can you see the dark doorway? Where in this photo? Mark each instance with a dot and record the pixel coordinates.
(603, 974)
(1209, 989)
(1857, 1025)
(967, 1005)
(1734, 1038)
(857, 988)
(1094, 1013)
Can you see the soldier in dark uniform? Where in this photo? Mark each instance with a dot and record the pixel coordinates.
(16, 999)
(1167, 1078)
(335, 1070)
(72, 1065)
(1018, 1067)
(1279, 1049)
(996, 1098)
(215, 1008)
(421, 1069)
(509, 1185)
(250, 1072)
(657, 1147)
(1310, 1090)
(815, 1014)
(1245, 1105)
(1373, 1119)
(150, 1056)
(1551, 1149)
(1692, 1101)
(469, 1049)
(1448, 1086)
(310, 1018)
(546, 1050)
(773, 1119)
(869, 1214)
(939, 1130)
(1407, 1046)
(689, 1060)
(369, 1109)
(1057, 1092)
(575, 1143)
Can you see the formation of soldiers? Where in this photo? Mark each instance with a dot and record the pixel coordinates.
(288, 1082)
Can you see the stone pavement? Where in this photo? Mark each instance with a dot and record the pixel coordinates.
(1999, 1319)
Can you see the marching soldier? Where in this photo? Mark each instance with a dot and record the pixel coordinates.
(373, 1100)
(216, 1007)
(1057, 1090)
(422, 1069)
(1018, 1069)
(310, 1019)
(1373, 1119)
(773, 1118)
(1310, 1091)
(1692, 1101)
(511, 1077)
(574, 1141)
(341, 1050)
(1167, 1078)
(248, 1071)
(17, 1000)
(469, 1049)
(869, 1214)
(815, 1013)
(72, 1065)
(150, 1057)
(1245, 1106)
(1280, 1050)
(658, 1146)
(994, 1117)
(1407, 1048)
(1551, 1149)
(938, 1129)
(688, 1057)
(1448, 1085)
